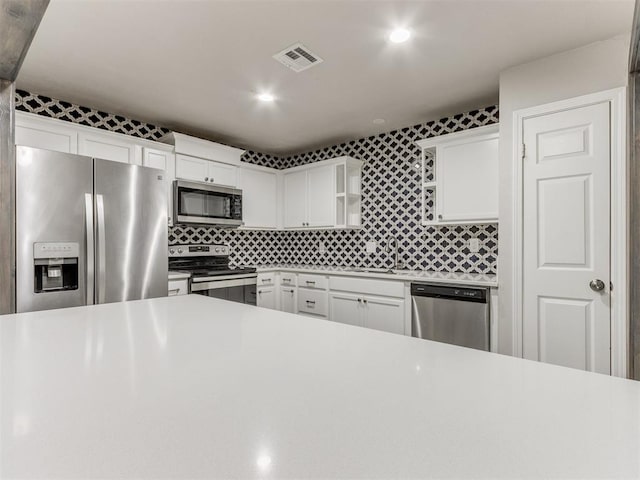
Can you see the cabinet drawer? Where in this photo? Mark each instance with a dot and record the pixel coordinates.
(319, 282)
(178, 287)
(265, 279)
(288, 279)
(312, 301)
(367, 286)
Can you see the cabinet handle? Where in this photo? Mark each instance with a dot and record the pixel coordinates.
(265, 280)
(359, 300)
(286, 280)
(206, 179)
(310, 302)
(309, 282)
(440, 217)
(259, 292)
(211, 179)
(174, 291)
(364, 300)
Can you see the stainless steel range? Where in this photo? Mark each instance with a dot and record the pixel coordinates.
(211, 274)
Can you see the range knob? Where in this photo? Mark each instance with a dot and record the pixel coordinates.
(179, 250)
(172, 251)
(217, 249)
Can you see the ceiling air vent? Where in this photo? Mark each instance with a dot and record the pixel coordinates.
(297, 57)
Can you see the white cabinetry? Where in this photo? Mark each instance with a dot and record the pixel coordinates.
(460, 177)
(383, 313)
(108, 146)
(178, 287)
(295, 199)
(323, 195)
(259, 197)
(288, 299)
(201, 170)
(37, 132)
(345, 308)
(267, 297)
(162, 159)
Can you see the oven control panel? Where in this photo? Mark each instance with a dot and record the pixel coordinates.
(198, 250)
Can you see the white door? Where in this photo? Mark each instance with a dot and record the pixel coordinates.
(267, 297)
(386, 314)
(192, 168)
(259, 198)
(164, 161)
(295, 199)
(109, 147)
(345, 308)
(321, 196)
(288, 299)
(566, 234)
(223, 174)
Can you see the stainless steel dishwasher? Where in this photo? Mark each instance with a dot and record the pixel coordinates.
(451, 314)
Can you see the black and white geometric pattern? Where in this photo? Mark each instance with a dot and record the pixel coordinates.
(50, 107)
(391, 205)
(391, 200)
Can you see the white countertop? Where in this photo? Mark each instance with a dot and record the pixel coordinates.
(195, 387)
(173, 275)
(457, 278)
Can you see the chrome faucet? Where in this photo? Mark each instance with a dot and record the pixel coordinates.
(393, 240)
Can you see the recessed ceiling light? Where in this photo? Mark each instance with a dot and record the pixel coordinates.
(265, 97)
(399, 35)
(379, 121)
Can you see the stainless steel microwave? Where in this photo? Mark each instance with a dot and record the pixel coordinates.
(200, 203)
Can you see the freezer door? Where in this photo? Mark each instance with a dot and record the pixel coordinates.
(131, 232)
(53, 191)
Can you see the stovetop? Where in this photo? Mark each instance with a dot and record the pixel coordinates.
(204, 261)
(209, 272)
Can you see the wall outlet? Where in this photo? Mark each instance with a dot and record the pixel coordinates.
(372, 246)
(474, 245)
(321, 247)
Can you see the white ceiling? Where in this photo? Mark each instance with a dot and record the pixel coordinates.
(195, 66)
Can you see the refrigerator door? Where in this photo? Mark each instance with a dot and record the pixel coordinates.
(53, 191)
(131, 232)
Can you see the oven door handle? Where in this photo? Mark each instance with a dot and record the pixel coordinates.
(240, 282)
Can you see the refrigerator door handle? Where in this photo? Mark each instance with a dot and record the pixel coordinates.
(90, 261)
(100, 250)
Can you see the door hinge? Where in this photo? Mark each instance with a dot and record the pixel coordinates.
(524, 150)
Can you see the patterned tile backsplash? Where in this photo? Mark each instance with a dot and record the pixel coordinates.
(391, 200)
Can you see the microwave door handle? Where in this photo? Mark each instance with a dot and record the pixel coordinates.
(89, 257)
(100, 250)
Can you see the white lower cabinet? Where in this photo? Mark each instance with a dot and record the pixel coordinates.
(386, 314)
(379, 313)
(312, 302)
(267, 297)
(345, 308)
(288, 299)
(178, 287)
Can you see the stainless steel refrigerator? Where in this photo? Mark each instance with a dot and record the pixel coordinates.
(87, 231)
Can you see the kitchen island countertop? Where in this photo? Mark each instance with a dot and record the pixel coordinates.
(196, 387)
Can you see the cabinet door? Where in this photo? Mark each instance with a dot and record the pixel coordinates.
(295, 199)
(385, 314)
(192, 168)
(259, 198)
(345, 308)
(164, 161)
(467, 176)
(288, 299)
(109, 147)
(321, 196)
(223, 174)
(267, 297)
(45, 134)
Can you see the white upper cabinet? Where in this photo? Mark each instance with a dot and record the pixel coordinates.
(323, 195)
(295, 199)
(205, 149)
(107, 146)
(162, 160)
(320, 196)
(460, 177)
(259, 197)
(202, 170)
(37, 132)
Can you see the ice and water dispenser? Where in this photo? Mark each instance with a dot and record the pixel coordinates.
(55, 266)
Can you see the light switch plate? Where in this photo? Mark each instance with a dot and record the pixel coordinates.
(372, 246)
(474, 245)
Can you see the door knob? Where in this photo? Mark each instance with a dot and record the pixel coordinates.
(596, 285)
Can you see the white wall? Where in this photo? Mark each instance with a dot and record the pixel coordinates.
(592, 68)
